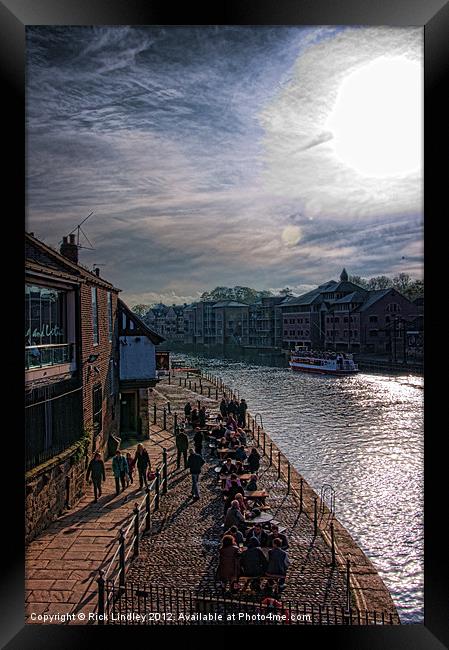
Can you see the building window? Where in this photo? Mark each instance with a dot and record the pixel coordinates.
(97, 408)
(110, 315)
(373, 333)
(336, 319)
(345, 319)
(44, 316)
(373, 319)
(95, 315)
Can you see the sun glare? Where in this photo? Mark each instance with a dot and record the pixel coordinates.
(377, 118)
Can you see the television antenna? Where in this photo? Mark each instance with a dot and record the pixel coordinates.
(79, 230)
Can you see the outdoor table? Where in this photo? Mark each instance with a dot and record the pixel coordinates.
(263, 518)
(257, 494)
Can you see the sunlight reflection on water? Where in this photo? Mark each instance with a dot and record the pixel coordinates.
(364, 436)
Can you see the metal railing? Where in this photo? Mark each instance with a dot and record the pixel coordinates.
(38, 356)
(155, 604)
(128, 543)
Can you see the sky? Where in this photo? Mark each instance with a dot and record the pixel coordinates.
(220, 156)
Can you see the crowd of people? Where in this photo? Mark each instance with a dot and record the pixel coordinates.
(247, 548)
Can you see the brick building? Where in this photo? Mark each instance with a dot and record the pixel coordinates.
(72, 363)
(343, 316)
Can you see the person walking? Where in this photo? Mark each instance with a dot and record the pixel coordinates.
(198, 441)
(243, 407)
(182, 445)
(131, 463)
(195, 463)
(96, 470)
(187, 411)
(142, 460)
(120, 471)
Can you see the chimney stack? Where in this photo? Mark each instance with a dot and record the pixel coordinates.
(97, 272)
(69, 249)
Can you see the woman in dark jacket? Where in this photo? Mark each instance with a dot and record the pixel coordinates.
(228, 565)
(253, 561)
(254, 460)
(142, 460)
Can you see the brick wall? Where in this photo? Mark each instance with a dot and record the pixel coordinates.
(108, 372)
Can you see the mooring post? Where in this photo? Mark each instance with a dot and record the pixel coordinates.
(271, 454)
(147, 510)
(264, 441)
(164, 471)
(288, 478)
(348, 591)
(100, 582)
(154, 413)
(258, 434)
(300, 495)
(315, 516)
(136, 530)
(156, 490)
(208, 391)
(279, 465)
(332, 543)
(164, 420)
(175, 422)
(122, 558)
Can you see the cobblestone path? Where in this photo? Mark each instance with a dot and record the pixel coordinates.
(182, 551)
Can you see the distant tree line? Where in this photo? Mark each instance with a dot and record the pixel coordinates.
(403, 283)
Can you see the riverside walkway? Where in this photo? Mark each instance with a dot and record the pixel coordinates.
(182, 551)
(61, 564)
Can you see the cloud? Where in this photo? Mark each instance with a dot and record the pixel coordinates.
(205, 156)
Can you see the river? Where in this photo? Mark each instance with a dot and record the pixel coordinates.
(364, 436)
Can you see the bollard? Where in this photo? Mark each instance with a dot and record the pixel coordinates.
(199, 404)
(195, 387)
(156, 489)
(136, 530)
(180, 381)
(190, 384)
(315, 516)
(154, 413)
(271, 454)
(147, 510)
(201, 388)
(185, 382)
(169, 407)
(122, 558)
(264, 441)
(332, 544)
(164, 421)
(100, 582)
(279, 465)
(208, 391)
(175, 422)
(348, 593)
(258, 434)
(288, 478)
(216, 394)
(169, 381)
(300, 495)
(164, 471)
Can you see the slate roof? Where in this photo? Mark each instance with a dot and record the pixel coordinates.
(147, 331)
(373, 297)
(229, 303)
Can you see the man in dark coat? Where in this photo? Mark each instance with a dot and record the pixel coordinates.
(234, 517)
(253, 560)
(142, 460)
(278, 561)
(188, 411)
(258, 532)
(223, 407)
(275, 533)
(182, 445)
(242, 412)
(195, 463)
(96, 470)
(198, 441)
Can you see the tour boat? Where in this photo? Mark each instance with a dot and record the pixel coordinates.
(329, 363)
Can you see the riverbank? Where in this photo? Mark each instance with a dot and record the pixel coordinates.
(190, 560)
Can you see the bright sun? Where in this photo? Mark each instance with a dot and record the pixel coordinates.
(377, 118)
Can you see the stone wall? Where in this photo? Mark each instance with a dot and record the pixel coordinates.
(52, 488)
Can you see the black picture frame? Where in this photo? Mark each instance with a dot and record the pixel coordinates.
(433, 15)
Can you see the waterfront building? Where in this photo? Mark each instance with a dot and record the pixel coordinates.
(166, 321)
(265, 322)
(72, 371)
(343, 316)
(137, 372)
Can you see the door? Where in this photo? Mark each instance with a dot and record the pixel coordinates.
(128, 420)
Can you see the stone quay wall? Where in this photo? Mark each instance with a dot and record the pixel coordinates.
(51, 489)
